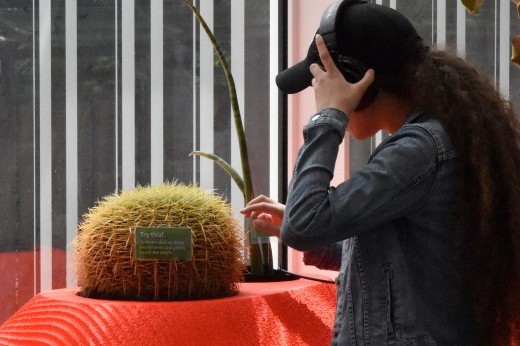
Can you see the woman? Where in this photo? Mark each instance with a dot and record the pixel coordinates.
(425, 236)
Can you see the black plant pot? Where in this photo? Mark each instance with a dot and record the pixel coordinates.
(270, 275)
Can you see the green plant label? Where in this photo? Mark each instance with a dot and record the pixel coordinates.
(256, 236)
(163, 243)
(259, 237)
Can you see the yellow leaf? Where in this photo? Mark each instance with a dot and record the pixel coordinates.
(473, 5)
(515, 47)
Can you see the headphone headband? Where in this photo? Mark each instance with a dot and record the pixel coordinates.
(329, 17)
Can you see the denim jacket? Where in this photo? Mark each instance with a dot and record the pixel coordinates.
(387, 229)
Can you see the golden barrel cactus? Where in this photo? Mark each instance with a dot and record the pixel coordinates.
(106, 264)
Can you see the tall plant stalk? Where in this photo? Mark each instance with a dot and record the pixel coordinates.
(247, 189)
(258, 254)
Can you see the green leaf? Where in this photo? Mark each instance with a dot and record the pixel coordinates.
(225, 166)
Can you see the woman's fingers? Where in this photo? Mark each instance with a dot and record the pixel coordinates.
(267, 227)
(331, 89)
(326, 59)
(367, 80)
(263, 204)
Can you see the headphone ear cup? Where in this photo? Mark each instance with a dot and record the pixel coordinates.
(353, 71)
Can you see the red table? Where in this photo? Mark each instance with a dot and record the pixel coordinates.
(299, 312)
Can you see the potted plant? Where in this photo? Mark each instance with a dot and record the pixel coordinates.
(164, 242)
(259, 269)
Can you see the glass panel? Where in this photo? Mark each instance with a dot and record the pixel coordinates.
(17, 157)
(82, 105)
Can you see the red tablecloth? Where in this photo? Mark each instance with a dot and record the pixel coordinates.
(297, 312)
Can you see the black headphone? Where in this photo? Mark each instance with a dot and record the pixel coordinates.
(352, 69)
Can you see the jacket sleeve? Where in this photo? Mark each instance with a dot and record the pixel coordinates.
(324, 257)
(397, 179)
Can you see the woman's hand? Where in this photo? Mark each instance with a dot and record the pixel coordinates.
(331, 89)
(266, 214)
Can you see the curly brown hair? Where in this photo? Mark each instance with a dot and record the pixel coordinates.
(486, 134)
